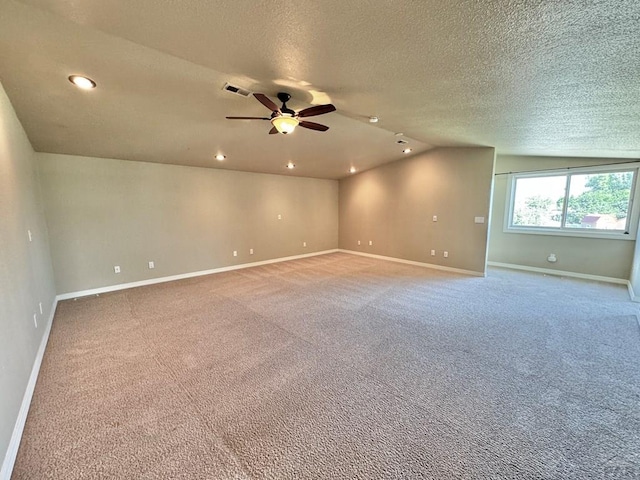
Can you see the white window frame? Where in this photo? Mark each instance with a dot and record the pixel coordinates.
(632, 217)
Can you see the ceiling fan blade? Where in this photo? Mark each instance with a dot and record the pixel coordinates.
(273, 130)
(266, 101)
(314, 126)
(317, 110)
(248, 118)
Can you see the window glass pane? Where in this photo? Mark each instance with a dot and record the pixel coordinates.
(538, 201)
(599, 201)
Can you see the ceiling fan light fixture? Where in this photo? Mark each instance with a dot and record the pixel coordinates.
(284, 120)
(285, 123)
(291, 165)
(220, 157)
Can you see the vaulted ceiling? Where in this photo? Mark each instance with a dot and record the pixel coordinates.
(526, 77)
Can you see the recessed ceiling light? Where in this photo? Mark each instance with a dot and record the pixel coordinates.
(373, 119)
(406, 150)
(352, 170)
(220, 157)
(82, 82)
(290, 166)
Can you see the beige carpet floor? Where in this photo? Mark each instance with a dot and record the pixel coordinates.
(341, 366)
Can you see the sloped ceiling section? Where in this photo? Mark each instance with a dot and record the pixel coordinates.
(535, 78)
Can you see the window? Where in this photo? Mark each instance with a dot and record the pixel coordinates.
(592, 202)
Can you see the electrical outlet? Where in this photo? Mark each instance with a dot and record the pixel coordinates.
(40, 307)
(116, 269)
(370, 242)
(435, 218)
(445, 254)
(35, 320)
(235, 253)
(251, 251)
(152, 265)
(279, 217)
(433, 253)
(358, 242)
(304, 244)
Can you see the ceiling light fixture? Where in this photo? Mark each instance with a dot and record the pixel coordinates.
(220, 157)
(373, 119)
(291, 166)
(82, 82)
(285, 123)
(352, 170)
(406, 150)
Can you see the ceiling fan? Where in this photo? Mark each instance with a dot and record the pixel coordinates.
(285, 120)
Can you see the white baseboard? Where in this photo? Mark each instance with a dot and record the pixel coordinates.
(564, 273)
(14, 443)
(632, 293)
(152, 281)
(419, 264)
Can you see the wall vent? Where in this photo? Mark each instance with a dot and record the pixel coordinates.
(243, 92)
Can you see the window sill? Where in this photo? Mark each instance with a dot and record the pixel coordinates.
(569, 233)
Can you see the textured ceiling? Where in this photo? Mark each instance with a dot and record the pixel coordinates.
(527, 77)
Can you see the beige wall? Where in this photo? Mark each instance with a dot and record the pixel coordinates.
(25, 268)
(592, 256)
(104, 212)
(393, 205)
(634, 276)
